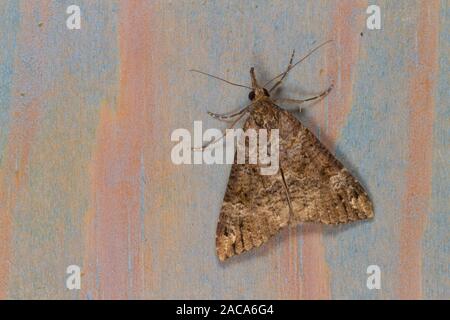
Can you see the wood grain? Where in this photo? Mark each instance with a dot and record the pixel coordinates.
(85, 123)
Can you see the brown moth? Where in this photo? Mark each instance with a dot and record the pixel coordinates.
(311, 185)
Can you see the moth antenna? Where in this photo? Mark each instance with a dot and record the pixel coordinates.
(302, 59)
(215, 77)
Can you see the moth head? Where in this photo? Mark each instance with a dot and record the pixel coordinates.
(252, 95)
(257, 91)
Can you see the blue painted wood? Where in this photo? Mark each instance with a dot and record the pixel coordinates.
(85, 123)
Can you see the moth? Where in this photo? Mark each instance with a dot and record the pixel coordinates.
(311, 185)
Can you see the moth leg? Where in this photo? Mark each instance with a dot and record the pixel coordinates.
(284, 74)
(300, 101)
(202, 148)
(228, 116)
(225, 116)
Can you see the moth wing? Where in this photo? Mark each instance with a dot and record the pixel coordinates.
(253, 210)
(320, 188)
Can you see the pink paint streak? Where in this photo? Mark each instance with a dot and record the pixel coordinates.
(416, 202)
(14, 178)
(342, 62)
(290, 275)
(115, 234)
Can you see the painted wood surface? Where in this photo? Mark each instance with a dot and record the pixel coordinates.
(85, 122)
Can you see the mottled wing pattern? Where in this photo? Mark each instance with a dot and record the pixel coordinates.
(254, 208)
(320, 188)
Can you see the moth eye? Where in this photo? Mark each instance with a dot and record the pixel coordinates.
(251, 95)
(266, 93)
